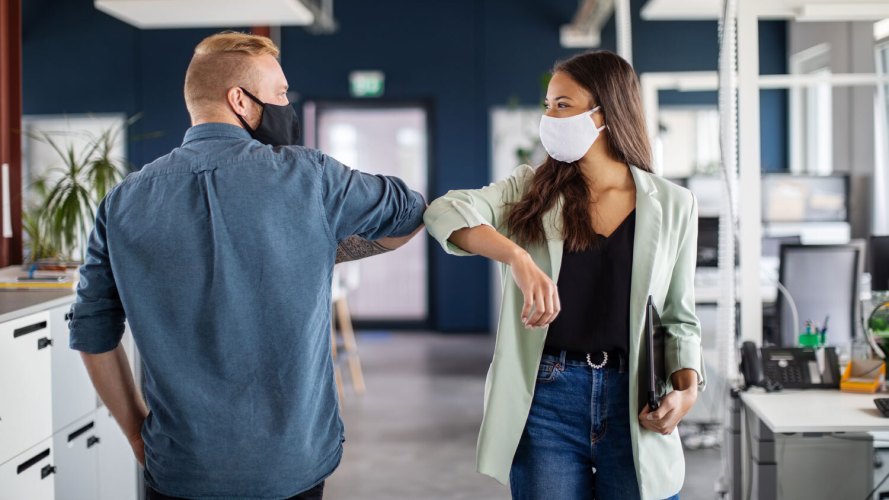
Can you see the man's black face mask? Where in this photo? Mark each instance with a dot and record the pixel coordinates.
(278, 126)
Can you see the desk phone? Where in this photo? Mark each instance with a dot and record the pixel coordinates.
(798, 367)
(789, 367)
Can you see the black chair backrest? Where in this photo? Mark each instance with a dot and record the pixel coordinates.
(879, 262)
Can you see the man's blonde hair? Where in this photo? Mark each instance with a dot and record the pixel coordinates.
(220, 62)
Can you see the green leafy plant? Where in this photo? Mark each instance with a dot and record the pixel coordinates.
(58, 222)
(37, 232)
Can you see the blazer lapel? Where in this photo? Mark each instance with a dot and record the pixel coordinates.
(647, 237)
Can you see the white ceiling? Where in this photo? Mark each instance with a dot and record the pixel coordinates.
(148, 14)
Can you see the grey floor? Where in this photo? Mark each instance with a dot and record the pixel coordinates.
(412, 435)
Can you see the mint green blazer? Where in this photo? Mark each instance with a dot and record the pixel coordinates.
(664, 257)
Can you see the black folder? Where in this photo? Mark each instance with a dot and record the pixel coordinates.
(654, 381)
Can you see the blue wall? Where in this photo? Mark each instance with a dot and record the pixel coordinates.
(461, 56)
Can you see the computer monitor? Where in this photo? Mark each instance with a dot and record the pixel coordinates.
(708, 241)
(879, 262)
(805, 198)
(823, 281)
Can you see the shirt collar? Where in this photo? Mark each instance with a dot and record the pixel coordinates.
(214, 130)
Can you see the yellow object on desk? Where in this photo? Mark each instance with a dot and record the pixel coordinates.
(863, 375)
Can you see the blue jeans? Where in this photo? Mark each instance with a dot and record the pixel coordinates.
(576, 444)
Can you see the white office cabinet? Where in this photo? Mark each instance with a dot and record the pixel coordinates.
(25, 367)
(117, 464)
(76, 460)
(29, 475)
(73, 396)
(848, 458)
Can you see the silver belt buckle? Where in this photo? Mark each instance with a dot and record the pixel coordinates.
(600, 365)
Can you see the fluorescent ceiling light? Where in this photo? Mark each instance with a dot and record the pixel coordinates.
(843, 12)
(153, 14)
(666, 10)
(799, 10)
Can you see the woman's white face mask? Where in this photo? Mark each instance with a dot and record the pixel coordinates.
(568, 139)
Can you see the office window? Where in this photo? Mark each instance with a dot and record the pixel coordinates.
(881, 129)
(811, 114)
(688, 141)
(514, 139)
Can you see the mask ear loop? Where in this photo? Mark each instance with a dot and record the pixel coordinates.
(241, 118)
(597, 108)
(251, 96)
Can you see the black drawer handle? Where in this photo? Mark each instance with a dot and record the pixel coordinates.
(18, 332)
(46, 471)
(76, 434)
(43, 343)
(93, 440)
(27, 464)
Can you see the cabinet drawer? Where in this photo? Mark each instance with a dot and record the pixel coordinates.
(117, 465)
(73, 396)
(29, 475)
(25, 384)
(77, 448)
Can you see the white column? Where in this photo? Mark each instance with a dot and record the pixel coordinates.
(623, 24)
(749, 203)
(650, 105)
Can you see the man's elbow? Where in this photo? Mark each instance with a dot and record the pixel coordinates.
(395, 242)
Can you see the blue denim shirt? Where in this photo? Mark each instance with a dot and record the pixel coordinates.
(220, 256)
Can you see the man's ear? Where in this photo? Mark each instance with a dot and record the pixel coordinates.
(237, 100)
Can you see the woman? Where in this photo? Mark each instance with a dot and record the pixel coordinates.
(562, 412)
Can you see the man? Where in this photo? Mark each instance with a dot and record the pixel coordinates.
(220, 255)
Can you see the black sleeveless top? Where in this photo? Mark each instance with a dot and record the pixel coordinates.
(594, 289)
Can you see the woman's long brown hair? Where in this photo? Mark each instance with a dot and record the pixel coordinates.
(615, 87)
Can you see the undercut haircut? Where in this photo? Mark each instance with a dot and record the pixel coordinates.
(220, 62)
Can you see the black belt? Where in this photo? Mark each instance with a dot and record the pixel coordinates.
(596, 357)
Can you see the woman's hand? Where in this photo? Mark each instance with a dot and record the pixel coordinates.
(541, 304)
(674, 406)
(541, 296)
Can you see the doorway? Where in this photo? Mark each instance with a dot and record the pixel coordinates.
(391, 289)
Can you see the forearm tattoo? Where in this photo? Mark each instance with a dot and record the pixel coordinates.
(356, 247)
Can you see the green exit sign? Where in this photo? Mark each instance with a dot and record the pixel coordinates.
(367, 83)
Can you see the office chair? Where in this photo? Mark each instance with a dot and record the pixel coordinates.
(879, 262)
(823, 280)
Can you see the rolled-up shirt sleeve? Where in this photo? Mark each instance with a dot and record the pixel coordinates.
(468, 208)
(97, 317)
(683, 340)
(366, 205)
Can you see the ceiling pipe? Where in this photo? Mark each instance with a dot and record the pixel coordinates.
(324, 23)
(585, 28)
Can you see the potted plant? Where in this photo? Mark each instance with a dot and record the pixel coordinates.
(63, 205)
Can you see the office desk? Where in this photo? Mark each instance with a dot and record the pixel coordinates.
(806, 444)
